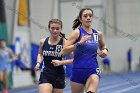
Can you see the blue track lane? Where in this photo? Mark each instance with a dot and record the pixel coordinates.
(113, 83)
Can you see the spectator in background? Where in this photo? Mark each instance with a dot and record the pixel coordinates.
(129, 58)
(6, 57)
(22, 58)
(18, 52)
(21, 61)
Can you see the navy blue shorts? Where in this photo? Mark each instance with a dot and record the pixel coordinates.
(57, 81)
(80, 75)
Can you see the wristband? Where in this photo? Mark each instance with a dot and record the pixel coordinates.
(76, 44)
(105, 48)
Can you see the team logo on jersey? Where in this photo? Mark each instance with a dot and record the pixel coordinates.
(98, 71)
(94, 38)
(58, 48)
(53, 53)
(95, 35)
(51, 48)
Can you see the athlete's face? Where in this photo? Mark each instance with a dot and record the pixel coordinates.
(87, 18)
(2, 44)
(55, 29)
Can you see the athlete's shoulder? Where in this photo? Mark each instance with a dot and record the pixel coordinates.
(76, 31)
(100, 35)
(42, 41)
(8, 49)
(99, 32)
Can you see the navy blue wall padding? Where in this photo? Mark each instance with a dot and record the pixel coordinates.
(34, 53)
(13, 49)
(17, 62)
(68, 67)
(68, 70)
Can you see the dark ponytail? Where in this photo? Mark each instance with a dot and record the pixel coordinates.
(76, 23)
(62, 35)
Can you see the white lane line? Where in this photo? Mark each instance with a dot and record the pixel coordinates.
(117, 85)
(112, 86)
(104, 83)
(127, 89)
(130, 82)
